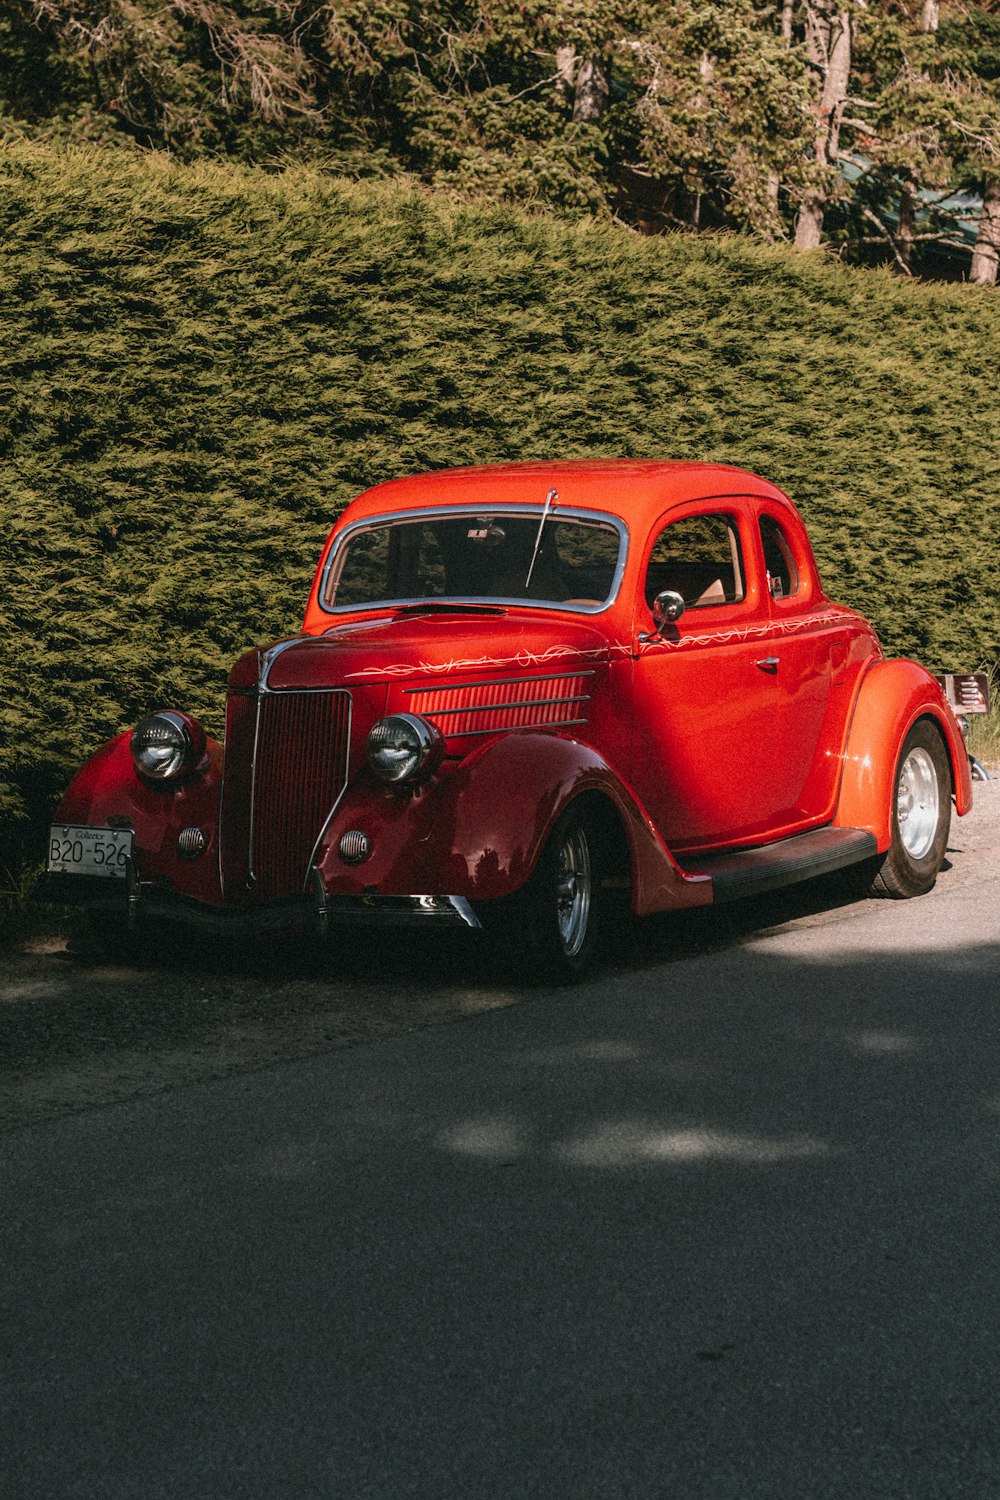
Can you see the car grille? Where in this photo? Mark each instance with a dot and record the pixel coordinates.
(276, 803)
(471, 708)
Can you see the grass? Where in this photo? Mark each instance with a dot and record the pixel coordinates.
(984, 729)
(21, 917)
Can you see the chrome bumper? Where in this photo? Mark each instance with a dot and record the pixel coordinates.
(395, 911)
(140, 900)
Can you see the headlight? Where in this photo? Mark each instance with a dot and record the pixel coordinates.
(166, 746)
(404, 747)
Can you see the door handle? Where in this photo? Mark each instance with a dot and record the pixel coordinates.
(768, 663)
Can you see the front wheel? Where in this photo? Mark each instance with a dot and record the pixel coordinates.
(551, 927)
(921, 816)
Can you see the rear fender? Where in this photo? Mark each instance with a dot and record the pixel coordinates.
(477, 830)
(106, 787)
(892, 697)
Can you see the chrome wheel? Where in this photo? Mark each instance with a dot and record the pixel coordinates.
(920, 815)
(573, 889)
(918, 803)
(550, 930)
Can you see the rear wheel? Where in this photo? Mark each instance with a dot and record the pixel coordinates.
(921, 816)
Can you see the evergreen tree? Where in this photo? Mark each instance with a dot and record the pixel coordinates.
(722, 111)
(931, 122)
(844, 120)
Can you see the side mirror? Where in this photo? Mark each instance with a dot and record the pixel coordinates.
(668, 607)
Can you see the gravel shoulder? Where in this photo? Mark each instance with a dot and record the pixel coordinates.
(77, 1033)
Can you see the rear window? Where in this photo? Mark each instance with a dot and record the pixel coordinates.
(782, 574)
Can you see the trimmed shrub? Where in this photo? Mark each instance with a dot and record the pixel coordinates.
(200, 365)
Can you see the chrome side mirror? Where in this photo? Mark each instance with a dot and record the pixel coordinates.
(668, 607)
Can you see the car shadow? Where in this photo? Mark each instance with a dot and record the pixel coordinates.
(440, 956)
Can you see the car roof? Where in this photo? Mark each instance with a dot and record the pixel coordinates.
(637, 490)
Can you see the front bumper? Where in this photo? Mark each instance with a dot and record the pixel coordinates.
(141, 901)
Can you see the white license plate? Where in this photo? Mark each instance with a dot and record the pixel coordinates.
(89, 851)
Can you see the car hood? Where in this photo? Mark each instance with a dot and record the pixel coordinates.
(417, 646)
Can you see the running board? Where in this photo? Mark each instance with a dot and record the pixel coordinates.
(751, 872)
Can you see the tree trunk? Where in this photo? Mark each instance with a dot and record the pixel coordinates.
(591, 90)
(565, 70)
(986, 255)
(828, 38)
(809, 221)
(908, 203)
(930, 15)
(773, 178)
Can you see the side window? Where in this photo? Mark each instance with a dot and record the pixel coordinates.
(782, 574)
(699, 558)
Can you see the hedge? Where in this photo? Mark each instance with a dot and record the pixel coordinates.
(199, 365)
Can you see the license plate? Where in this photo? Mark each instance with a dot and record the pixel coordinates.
(89, 851)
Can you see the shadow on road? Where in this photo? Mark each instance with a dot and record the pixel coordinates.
(720, 1229)
(70, 1001)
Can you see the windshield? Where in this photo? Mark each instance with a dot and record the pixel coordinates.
(482, 555)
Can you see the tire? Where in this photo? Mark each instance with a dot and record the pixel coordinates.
(551, 928)
(921, 816)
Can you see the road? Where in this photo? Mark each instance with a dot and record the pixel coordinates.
(722, 1223)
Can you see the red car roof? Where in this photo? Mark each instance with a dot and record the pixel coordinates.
(638, 490)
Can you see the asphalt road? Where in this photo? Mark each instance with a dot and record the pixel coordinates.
(722, 1223)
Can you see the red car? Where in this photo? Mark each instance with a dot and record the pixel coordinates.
(519, 690)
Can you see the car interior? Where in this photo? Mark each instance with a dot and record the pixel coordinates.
(699, 558)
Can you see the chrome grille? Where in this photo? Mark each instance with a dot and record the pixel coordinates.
(234, 835)
(286, 765)
(469, 708)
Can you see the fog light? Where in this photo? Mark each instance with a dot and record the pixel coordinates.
(191, 843)
(355, 846)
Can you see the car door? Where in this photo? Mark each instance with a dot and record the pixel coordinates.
(818, 648)
(704, 692)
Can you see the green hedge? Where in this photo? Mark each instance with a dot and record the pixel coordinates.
(200, 365)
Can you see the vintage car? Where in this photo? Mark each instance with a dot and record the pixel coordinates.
(520, 693)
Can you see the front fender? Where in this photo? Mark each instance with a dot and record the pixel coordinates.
(477, 830)
(107, 787)
(892, 697)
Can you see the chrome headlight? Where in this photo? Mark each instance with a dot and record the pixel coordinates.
(404, 747)
(166, 746)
